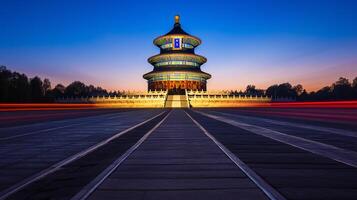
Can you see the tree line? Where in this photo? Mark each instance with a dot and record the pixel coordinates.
(17, 87)
(342, 89)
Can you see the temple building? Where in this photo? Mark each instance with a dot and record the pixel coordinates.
(177, 67)
(176, 80)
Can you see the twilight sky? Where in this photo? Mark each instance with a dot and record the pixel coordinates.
(107, 43)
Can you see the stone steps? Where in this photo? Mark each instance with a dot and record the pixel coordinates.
(176, 101)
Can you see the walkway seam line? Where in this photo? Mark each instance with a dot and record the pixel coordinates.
(264, 186)
(39, 131)
(325, 150)
(112, 115)
(87, 190)
(346, 133)
(57, 166)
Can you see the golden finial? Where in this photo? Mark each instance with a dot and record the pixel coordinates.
(177, 19)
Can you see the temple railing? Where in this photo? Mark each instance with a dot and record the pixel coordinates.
(158, 99)
(140, 99)
(228, 97)
(209, 99)
(227, 101)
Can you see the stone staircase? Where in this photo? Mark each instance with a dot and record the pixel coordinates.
(176, 101)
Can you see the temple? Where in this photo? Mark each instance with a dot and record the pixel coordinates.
(177, 68)
(176, 80)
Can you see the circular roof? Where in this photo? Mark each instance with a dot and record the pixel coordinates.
(177, 31)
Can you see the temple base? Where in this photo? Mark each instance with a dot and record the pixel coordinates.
(177, 87)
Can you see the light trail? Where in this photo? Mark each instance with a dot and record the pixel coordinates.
(304, 115)
(315, 104)
(81, 106)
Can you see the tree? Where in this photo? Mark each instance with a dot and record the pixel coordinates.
(58, 91)
(354, 86)
(286, 90)
(18, 87)
(342, 89)
(323, 94)
(304, 96)
(46, 86)
(251, 90)
(14, 87)
(283, 90)
(354, 83)
(36, 89)
(76, 89)
(4, 83)
(298, 89)
(272, 91)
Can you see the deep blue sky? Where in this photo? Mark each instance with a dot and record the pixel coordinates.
(107, 43)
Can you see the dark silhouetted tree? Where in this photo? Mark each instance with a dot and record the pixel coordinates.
(76, 89)
(298, 89)
(342, 89)
(322, 94)
(36, 89)
(14, 87)
(272, 91)
(304, 96)
(354, 83)
(19, 87)
(284, 90)
(58, 91)
(46, 87)
(354, 86)
(5, 76)
(251, 90)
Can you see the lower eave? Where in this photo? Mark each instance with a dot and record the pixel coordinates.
(152, 73)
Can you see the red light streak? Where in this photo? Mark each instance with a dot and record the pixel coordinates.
(316, 104)
(81, 106)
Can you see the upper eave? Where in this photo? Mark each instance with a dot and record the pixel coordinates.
(196, 39)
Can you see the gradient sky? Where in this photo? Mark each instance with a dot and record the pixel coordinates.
(107, 43)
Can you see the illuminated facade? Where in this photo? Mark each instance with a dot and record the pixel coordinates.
(177, 67)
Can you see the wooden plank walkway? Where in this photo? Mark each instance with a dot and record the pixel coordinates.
(178, 161)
